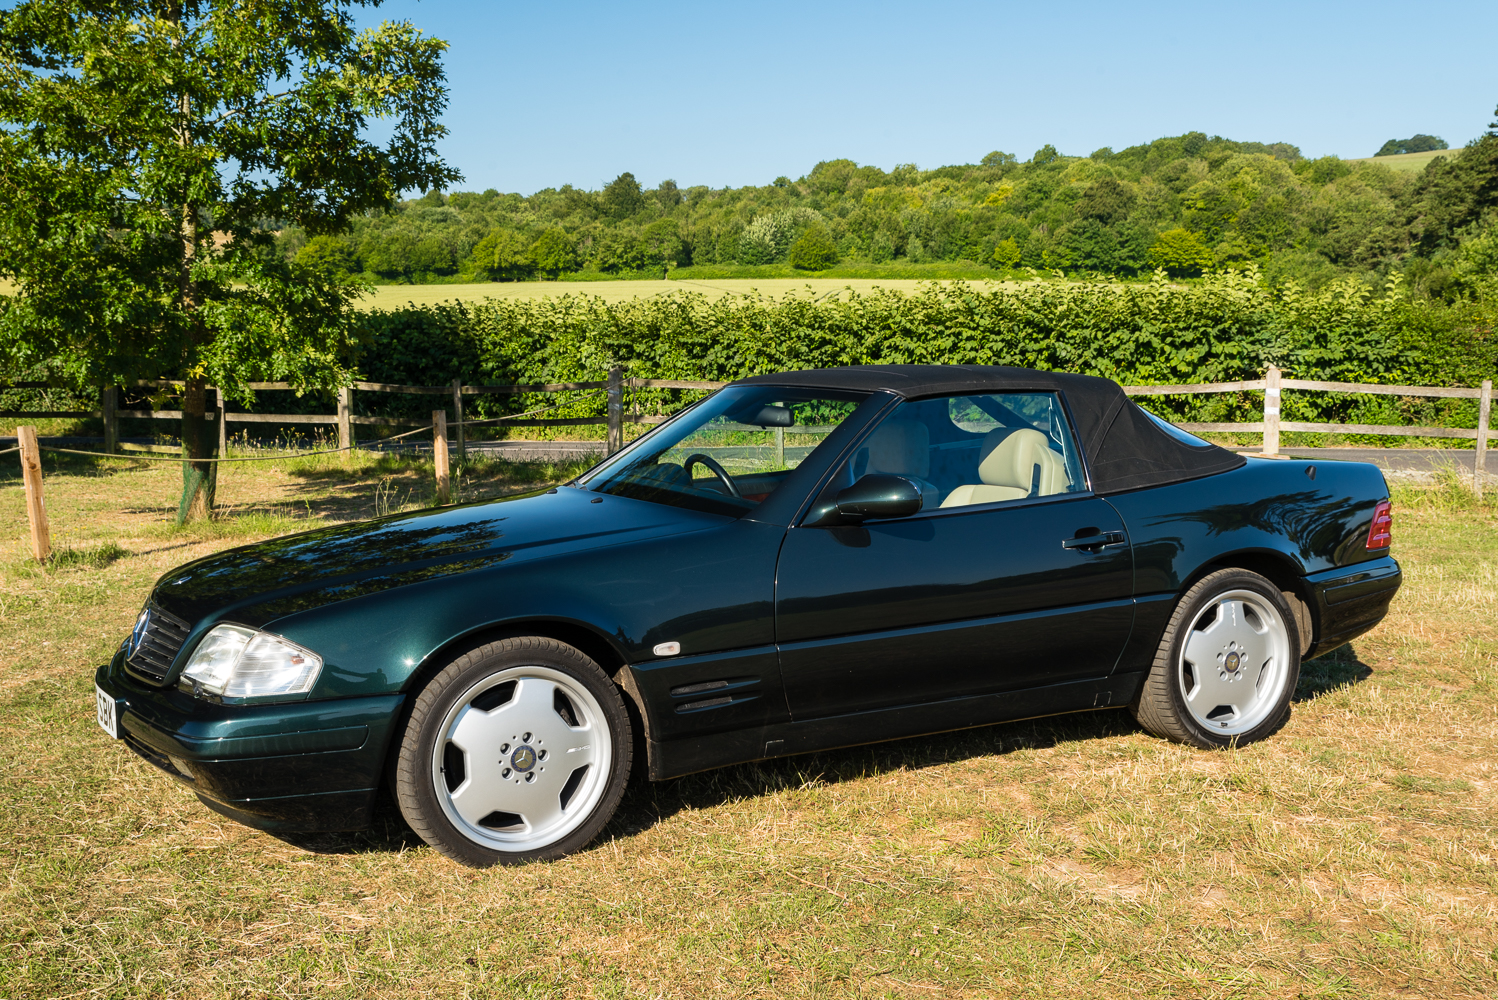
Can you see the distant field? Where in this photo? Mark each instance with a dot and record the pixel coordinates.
(1411, 162)
(396, 296)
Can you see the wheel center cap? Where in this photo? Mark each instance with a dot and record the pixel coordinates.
(1231, 662)
(523, 759)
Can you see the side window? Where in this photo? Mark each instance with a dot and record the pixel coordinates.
(975, 449)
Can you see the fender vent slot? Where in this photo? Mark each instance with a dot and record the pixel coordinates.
(693, 706)
(697, 688)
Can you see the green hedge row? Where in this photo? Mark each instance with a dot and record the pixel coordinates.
(1223, 328)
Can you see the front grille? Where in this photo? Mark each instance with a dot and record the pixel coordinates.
(160, 641)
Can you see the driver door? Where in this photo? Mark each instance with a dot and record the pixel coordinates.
(1011, 576)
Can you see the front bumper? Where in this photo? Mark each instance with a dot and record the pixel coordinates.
(1350, 600)
(305, 766)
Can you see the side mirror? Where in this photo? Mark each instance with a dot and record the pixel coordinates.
(875, 495)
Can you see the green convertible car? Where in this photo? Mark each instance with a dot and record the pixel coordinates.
(798, 562)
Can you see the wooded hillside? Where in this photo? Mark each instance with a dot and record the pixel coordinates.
(1188, 204)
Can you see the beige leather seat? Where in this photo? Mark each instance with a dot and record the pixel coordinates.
(1012, 465)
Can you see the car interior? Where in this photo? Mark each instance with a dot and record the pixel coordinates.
(958, 450)
(967, 450)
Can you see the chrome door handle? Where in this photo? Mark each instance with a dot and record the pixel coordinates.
(1100, 541)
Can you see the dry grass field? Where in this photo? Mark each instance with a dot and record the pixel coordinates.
(397, 296)
(1351, 856)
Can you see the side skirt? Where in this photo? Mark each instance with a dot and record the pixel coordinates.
(673, 758)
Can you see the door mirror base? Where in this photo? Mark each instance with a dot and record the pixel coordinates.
(876, 495)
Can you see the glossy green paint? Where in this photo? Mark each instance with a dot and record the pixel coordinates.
(890, 628)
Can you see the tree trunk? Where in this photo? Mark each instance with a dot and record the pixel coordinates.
(199, 478)
(199, 441)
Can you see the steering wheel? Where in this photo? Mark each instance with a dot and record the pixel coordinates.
(714, 468)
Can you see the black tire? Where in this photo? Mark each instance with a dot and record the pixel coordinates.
(1227, 665)
(459, 759)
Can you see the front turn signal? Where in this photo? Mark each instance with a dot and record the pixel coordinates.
(1380, 532)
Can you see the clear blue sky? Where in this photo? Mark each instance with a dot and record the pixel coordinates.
(730, 94)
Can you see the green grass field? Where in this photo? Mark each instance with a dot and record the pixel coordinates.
(1405, 162)
(1350, 856)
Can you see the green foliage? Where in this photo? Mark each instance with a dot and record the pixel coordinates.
(503, 255)
(1223, 328)
(1418, 143)
(143, 146)
(1007, 253)
(326, 255)
(622, 197)
(814, 250)
(1310, 221)
(554, 252)
(1180, 252)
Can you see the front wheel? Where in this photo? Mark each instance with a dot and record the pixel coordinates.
(1227, 664)
(516, 751)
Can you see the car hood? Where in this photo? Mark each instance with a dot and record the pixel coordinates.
(255, 584)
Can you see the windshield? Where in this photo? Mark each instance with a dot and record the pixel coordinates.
(1185, 437)
(730, 452)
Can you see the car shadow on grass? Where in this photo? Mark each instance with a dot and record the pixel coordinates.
(647, 803)
(1341, 668)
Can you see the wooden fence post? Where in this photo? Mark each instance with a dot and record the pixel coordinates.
(346, 422)
(1272, 411)
(439, 456)
(223, 424)
(1484, 416)
(462, 438)
(108, 403)
(36, 509)
(616, 410)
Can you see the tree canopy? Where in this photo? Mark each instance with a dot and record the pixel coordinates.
(149, 153)
(1414, 144)
(1112, 212)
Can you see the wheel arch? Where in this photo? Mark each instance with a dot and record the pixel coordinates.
(580, 635)
(1279, 569)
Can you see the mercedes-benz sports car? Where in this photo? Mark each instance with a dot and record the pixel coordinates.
(798, 562)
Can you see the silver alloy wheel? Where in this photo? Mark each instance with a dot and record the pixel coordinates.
(1234, 663)
(524, 758)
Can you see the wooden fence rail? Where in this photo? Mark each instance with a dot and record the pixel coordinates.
(615, 386)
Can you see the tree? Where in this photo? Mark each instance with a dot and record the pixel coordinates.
(1414, 144)
(1181, 252)
(1007, 253)
(328, 254)
(668, 194)
(622, 197)
(143, 146)
(815, 250)
(502, 255)
(554, 252)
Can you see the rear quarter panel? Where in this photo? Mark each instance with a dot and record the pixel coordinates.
(1267, 510)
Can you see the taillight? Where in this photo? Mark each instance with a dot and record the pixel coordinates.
(1380, 531)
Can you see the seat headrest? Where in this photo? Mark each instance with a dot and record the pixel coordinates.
(1009, 457)
(900, 447)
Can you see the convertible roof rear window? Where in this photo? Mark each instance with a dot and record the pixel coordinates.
(728, 453)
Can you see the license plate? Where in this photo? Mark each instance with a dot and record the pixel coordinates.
(109, 713)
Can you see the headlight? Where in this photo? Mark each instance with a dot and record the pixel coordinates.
(237, 662)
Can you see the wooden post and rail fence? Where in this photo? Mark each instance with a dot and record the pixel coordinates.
(616, 416)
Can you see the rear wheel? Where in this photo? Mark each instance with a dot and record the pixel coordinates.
(516, 751)
(1227, 664)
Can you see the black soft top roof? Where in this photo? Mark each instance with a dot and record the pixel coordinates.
(1124, 448)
